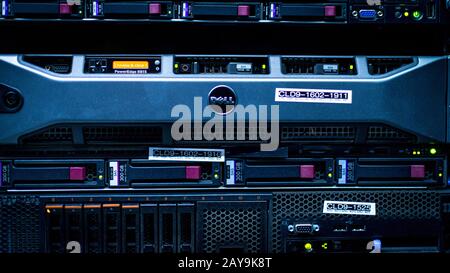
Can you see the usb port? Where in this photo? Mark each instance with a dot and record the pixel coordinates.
(340, 228)
(358, 228)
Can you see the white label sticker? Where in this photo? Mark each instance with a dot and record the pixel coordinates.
(330, 68)
(352, 208)
(231, 172)
(343, 169)
(114, 174)
(187, 154)
(243, 67)
(74, 2)
(313, 95)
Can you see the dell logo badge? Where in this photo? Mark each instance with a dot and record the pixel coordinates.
(222, 99)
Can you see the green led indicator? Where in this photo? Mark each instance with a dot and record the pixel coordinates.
(417, 15)
(433, 151)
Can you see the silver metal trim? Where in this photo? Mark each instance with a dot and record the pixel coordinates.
(167, 74)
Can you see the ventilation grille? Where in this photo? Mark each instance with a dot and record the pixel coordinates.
(145, 134)
(123, 134)
(220, 65)
(289, 133)
(298, 66)
(97, 135)
(398, 205)
(19, 224)
(233, 228)
(388, 134)
(59, 135)
(56, 64)
(248, 134)
(293, 133)
(446, 223)
(379, 66)
(131, 152)
(343, 66)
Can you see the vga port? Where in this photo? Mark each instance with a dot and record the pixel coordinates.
(306, 228)
(367, 14)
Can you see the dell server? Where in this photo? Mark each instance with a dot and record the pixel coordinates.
(334, 12)
(246, 128)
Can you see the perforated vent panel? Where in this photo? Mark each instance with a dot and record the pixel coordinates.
(153, 134)
(96, 135)
(245, 132)
(386, 133)
(122, 134)
(19, 224)
(56, 64)
(391, 205)
(62, 135)
(317, 132)
(233, 226)
(307, 65)
(379, 66)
